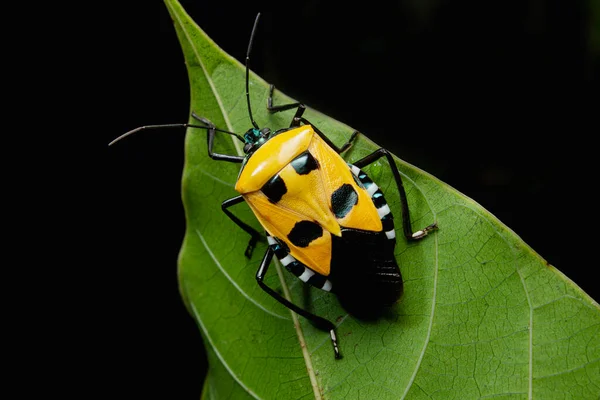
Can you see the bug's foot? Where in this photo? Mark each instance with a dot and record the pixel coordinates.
(423, 232)
(350, 142)
(250, 248)
(336, 349)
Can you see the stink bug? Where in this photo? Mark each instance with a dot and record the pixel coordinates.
(325, 220)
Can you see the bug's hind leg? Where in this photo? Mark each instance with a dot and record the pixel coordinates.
(319, 322)
(408, 232)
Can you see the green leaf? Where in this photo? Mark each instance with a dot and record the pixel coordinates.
(482, 315)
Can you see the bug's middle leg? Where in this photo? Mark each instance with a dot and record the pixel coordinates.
(408, 232)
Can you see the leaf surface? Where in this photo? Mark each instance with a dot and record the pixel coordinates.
(482, 315)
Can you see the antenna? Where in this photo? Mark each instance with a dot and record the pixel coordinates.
(248, 70)
(143, 128)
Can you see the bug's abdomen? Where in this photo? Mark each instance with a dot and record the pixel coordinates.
(364, 270)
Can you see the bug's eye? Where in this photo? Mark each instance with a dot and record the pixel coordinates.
(265, 132)
(247, 147)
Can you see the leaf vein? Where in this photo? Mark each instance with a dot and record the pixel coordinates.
(218, 264)
(568, 370)
(529, 303)
(430, 327)
(218, 354)
(567, 296)
(215, 178)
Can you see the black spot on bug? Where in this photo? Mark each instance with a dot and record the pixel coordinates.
(343, 199)
(274, 189)
(305, 232)
(304, 163)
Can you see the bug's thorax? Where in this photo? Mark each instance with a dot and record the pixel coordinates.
(267, 156)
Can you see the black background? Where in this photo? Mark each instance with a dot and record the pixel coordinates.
(492, 98)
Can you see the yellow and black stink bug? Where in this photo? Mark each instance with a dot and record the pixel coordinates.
(326, 221)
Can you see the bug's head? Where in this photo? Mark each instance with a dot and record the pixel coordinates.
(255, 138)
